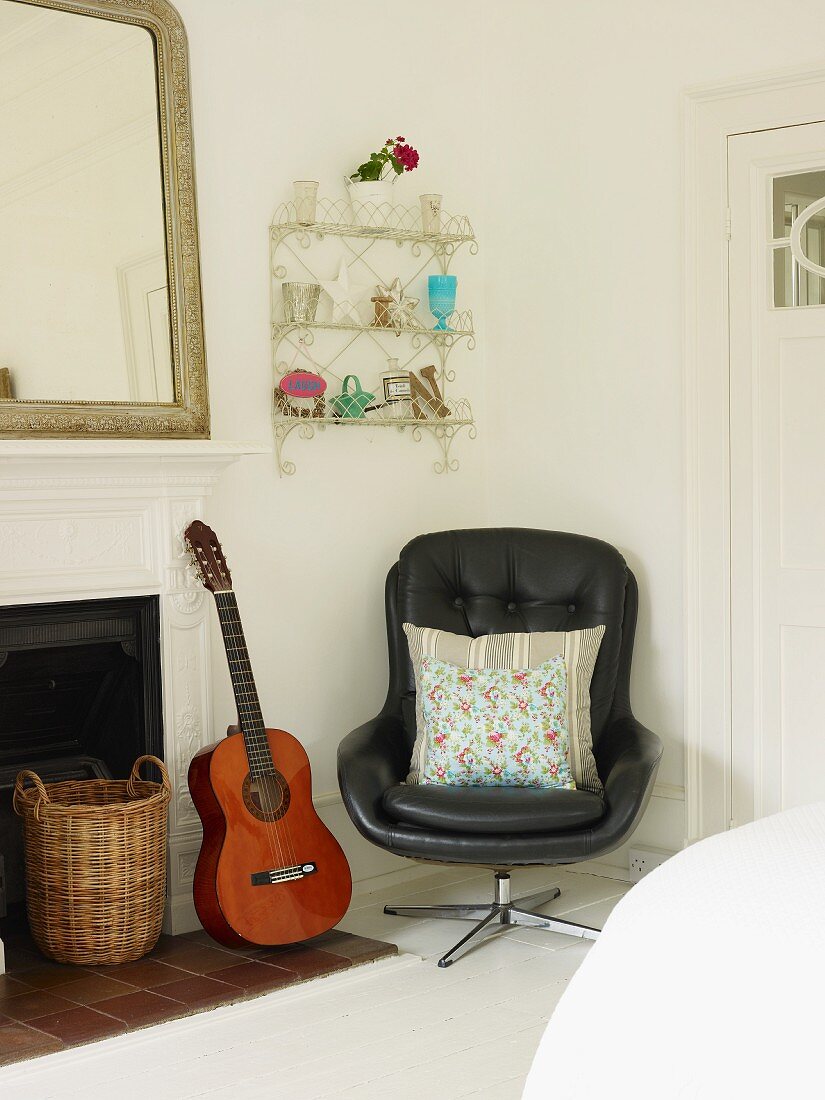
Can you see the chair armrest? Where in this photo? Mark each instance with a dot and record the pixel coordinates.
(371, 759)
(627, 757)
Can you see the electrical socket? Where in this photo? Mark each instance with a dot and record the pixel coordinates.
(644, 860)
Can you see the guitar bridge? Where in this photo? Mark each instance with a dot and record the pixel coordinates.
(284, 874)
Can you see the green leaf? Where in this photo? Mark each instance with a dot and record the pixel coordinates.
(369, 170)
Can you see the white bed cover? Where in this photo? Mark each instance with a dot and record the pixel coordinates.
(708, 981)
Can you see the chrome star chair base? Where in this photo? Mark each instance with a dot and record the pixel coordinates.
(502, 911)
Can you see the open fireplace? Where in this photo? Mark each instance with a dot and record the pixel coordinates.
(80, 697)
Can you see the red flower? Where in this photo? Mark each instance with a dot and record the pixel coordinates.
(400, 139)
(406, 156)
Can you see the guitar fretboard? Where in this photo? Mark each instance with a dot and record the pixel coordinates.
(250, 717)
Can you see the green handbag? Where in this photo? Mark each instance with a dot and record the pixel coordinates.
(351, 405)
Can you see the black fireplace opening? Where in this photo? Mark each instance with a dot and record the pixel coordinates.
(80, 698)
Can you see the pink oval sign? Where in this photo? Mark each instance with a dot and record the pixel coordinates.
(303, 383)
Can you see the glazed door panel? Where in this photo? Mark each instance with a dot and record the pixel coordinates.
(777, 402)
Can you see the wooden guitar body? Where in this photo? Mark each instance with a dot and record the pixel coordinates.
(269, 870)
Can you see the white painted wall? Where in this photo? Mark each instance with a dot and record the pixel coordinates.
(557, 128)
(285, 91)
(597, 323)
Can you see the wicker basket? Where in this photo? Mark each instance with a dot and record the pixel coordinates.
(95, 864)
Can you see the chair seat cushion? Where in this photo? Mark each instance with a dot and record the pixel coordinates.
(493, 809)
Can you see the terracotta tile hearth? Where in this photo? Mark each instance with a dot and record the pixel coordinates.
(46, 1007)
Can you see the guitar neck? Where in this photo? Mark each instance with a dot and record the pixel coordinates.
(250, 717)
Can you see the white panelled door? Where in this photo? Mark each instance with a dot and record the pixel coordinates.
(776, 181)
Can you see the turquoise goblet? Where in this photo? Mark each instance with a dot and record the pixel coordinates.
(441, 290)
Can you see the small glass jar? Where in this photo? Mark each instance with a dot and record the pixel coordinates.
(397, 390)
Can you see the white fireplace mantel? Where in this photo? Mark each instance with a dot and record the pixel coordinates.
(104, 518)
(134, 458)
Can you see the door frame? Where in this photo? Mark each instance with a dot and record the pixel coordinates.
(712, 114)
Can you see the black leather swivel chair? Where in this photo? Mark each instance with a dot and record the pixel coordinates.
(487, 582)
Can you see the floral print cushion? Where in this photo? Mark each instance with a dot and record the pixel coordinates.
(496, 727)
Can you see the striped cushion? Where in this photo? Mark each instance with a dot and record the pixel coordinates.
(580, 648)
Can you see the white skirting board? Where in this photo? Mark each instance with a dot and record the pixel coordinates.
(663, 826)
(373, 868)
(366, 860)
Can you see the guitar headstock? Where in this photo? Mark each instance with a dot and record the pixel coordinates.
(208, 557)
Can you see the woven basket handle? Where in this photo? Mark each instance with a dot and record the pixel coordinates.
(159, 764)
(42, 793)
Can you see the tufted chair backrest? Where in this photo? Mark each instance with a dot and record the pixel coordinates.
(509, 579)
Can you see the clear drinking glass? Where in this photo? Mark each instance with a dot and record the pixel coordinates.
(430, 213)
(306, 198)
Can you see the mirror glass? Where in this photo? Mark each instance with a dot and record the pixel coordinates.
(84, 301)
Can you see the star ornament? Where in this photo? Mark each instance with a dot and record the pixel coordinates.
(345, 295)
(401, 309)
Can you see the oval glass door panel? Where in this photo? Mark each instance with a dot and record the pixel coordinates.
(793, 285)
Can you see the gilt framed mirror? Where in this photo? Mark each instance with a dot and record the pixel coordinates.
(101, 327)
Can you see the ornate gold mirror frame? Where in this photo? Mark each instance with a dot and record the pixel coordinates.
(188, 414)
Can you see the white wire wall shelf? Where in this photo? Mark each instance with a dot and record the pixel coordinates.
(400, 224)
(443, 430)
(368, 244)
(459, 326)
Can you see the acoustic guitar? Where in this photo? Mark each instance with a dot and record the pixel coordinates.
(269, 871)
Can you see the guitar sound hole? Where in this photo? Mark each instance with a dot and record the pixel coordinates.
(266, 796)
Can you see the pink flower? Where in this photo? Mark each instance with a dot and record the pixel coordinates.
(520, 676)
(466, 758)
(554, 770)
(465, 705)
(406, 156)
(440, 772)
(465, 678)
(522, 704)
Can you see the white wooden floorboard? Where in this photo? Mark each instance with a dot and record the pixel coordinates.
(395, 1029)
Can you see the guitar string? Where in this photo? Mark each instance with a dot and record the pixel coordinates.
(251, 725)
(244, 700)
(244, 697)
(247, 696)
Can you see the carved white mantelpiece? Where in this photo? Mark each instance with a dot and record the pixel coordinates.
(103, 518)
